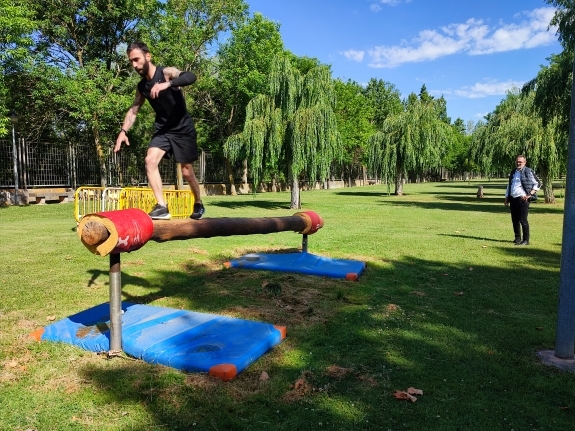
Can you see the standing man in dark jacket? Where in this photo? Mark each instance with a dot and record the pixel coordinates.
(175, 132)
(523, 185)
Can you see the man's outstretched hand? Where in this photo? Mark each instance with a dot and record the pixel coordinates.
(122, 137)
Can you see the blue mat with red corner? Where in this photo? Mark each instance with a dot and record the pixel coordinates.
(302, 263)
(185, 340)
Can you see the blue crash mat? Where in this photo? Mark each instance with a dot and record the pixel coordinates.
(185, 340)
(303, 263)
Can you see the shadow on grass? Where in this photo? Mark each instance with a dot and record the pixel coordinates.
(466, 332)
(126, 278)
(479, 238)
(353, 192)
(268, 205)
(471, 204)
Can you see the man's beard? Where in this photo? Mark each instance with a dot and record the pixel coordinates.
(145, 69)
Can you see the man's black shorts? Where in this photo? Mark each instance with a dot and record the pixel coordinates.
(182, 146)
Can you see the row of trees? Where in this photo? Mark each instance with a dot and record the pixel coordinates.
(65, 72)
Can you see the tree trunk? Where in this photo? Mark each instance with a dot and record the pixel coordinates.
(274, 187)
(547, 181)
(245, 173)
(101, 160)
(295, 198)
(179, 177)
(349, 176)
(231, 177)
(399, 183)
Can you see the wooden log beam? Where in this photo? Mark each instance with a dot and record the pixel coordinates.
(210, 227)
(95, 233)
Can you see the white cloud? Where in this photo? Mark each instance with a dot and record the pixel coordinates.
(473, 37)
(528, 34)
(375, 7)
(482, 89)
(353, 55)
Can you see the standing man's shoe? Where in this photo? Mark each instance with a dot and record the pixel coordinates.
(524, 242)
(516, 241)
(160, 212)
(199, 211)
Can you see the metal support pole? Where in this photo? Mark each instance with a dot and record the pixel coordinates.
(304, 243)
(115, 303)
(565, 336)
(15, 151)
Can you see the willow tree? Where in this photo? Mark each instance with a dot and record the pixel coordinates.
(16, 36)
(292, 129)
(413, 140)
(515, 127)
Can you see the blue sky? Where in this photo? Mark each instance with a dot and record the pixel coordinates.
(471, 52)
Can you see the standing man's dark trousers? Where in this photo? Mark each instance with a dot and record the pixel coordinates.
(519, 213)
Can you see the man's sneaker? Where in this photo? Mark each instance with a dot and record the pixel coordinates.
(517, 241)
(199, 211)
(160, 212)
(524, 242)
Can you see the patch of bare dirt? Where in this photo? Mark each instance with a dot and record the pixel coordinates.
(204, 382)
(337, 372)
(300, 388)
(286, 304)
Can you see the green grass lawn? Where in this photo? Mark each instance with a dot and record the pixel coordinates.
(447, 305)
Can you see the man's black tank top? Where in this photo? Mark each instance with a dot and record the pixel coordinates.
(170, 106)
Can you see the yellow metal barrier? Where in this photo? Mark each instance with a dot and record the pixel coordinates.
(87, 200)
(180, 202)
(111, 199)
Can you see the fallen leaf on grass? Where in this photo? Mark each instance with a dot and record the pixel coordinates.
(50, 318)
(402, 395)
(458, 293)
(483, 246)
(415, 292)
(413, 391)
(408, 394)
(471, 269)
(445, 274)
(264, 376)
(539, 328)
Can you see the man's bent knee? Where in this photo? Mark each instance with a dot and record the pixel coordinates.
(188, 171)
(153, 157)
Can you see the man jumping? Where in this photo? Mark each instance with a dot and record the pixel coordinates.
(175, 132)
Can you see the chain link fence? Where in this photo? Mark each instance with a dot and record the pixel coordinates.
(54, 164)
(48, 164)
